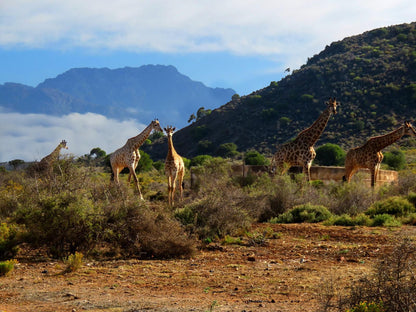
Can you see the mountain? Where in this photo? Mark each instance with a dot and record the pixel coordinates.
(143, 93)
(373, 75)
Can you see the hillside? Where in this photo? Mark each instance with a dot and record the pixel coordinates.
(372, 74)
(141, 93)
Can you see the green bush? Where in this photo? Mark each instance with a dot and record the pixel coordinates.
(65, 223)
(255, 158)
(227, 150)
(348, 220)
(395, 159)
(200, 160)
(330, 155)
(7, 266)
(8, 241)
(365, 306)
(385, 220)
(396, 206)
(305, 213)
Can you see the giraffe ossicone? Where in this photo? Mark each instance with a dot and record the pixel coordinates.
(128, 155)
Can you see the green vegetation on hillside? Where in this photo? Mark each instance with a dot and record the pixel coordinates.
(373, 75)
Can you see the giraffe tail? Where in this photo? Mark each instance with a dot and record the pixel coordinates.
(344, 179)
(112, 176)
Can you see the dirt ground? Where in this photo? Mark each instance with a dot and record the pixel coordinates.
(287, 273)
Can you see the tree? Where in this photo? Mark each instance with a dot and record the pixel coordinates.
(330, 155)
(395, 159)
(227, 150)
(16, 163)
(255, 158)
(145, 162)
(98, 152)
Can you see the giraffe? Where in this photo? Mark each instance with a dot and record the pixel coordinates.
(174, 168)
(300, 151)
(370, 156)
(46, 163)
(129, 156)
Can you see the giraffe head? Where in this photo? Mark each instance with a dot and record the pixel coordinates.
(409, 129)
(332, 105)
(169, 130)
(156, 125)
(63, 144)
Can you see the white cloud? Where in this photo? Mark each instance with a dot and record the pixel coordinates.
(248, 27)
(37, 135)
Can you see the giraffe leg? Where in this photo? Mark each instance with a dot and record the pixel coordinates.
(180, 180)
(173, 189)
(170, 190)
(373, 176)
(136, 181)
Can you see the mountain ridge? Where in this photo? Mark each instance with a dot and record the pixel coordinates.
(142, 93)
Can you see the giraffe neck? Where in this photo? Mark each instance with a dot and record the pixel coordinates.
(171, 151)
(312, 134)
(54, 155)
(135, 142)
(382, 141)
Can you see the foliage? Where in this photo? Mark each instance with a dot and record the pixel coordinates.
(64, 222)
(200, 160)
(365, 306)
(396, 206)
(330, 155)
(15, 163)
(227, 150)
(7, 266)
(255, 158)
(73, 262)
(395, 159)
(145, 162)
(135, 230)
(393, 282)
(8, 241)
(348, 220)
(304, 213)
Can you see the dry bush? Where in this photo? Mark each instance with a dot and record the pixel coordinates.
(138, 230)
(350, 198)
(392, 284)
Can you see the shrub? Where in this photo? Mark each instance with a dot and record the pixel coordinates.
(255, 158)
(350, 198)
(227, 150)
(330, 155)
(135, 229)
(385, 220)
(305, 213)
(365, 306)
(393, 281)
(200, 160)
(348, 220)
(65, 223)
(73, 262)
(282, 194)
(8, 241)
(7, 266)
(395, 159)
(396, 206)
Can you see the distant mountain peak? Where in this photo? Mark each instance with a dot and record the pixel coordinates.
(148, 90)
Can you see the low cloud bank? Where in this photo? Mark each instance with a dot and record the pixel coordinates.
(32, 136)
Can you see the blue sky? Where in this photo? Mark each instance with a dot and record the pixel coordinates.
(239, 44)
